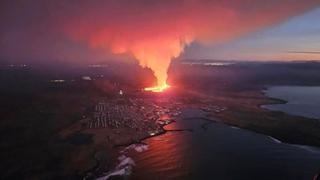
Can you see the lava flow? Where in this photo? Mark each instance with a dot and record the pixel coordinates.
(159, 88)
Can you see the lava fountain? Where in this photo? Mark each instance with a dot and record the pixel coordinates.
(156, 32)
(158, 56)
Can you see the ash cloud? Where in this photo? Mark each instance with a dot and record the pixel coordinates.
(153, 32)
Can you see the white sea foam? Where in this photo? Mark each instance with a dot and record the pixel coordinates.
(304, 147)
(234, 127)
(120, 172)
(141, 148)
(136, 147)
(275, 140)
(122, 157)
(122, 169)
(125, 163)
(307, 148)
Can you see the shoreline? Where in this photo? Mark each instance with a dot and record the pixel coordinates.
(126, 147)
(140, 142)
(286, 102)
(163, 131)
(283, 137)
(277, 124)
(207, 121)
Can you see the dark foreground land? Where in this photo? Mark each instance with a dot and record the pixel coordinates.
(64, 125)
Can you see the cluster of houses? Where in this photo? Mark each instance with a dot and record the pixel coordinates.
(133, 113)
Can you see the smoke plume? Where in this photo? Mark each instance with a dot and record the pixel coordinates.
(154, 32)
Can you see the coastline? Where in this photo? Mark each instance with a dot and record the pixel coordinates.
(277, 124)
(124, 164)
(252, 117)
(205, 121)
(295, 100)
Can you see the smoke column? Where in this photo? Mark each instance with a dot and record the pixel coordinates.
(155, 32)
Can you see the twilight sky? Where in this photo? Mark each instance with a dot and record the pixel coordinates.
(295, 39)
(154, 32)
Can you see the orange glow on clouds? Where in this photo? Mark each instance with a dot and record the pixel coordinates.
(155, 32)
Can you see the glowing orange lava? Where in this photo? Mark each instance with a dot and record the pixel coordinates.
(159, 88)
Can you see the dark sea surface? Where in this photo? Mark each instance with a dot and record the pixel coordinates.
(217, 151)
(301, 100)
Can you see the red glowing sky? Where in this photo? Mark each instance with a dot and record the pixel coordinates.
(151, 31)
(66, 30)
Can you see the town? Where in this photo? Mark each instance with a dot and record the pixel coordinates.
(138, 114)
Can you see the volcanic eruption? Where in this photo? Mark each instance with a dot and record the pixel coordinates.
(156, 32)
